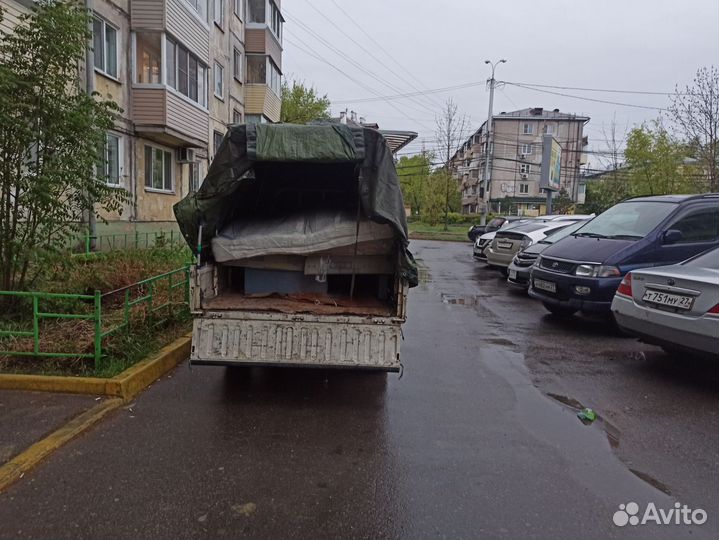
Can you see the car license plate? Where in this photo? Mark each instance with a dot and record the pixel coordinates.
(549, 286)
(665, 299)
(504, 245)
(512, 274)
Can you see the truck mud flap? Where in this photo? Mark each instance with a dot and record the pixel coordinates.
(305, 343)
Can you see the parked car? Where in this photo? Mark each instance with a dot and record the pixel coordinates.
(518, 271)
(507, 243)
(484, 240)
(475, 231)
(583, 271)
(676, 306)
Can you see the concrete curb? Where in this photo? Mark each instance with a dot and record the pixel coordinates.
(14, 469)
(126, 385)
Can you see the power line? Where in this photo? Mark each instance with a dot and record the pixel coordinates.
(519, 85)
(369, 52)
(412, 94)
(607, 90)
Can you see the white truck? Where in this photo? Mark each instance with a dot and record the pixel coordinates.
(301, 245)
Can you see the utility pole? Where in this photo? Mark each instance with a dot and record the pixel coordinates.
(488, 151)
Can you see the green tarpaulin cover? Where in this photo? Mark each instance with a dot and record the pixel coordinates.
(230, 185)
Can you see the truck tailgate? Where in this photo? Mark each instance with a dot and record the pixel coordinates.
(254, 338)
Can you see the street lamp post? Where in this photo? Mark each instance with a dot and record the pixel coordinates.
(487, 167)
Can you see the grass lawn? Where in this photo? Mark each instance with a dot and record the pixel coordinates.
(106, 272)
(424, 231)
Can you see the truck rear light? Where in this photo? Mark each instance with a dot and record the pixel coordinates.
(625, 287)
(714, 310)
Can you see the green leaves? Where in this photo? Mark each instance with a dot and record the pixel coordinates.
(51, 134)
(302, 104)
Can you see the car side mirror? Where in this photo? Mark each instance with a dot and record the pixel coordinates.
(672, 236)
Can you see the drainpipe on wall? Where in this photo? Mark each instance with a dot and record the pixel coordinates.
(90, 88)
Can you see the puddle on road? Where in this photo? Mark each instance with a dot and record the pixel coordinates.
(651, 481)
(462, 300)
(610, 429)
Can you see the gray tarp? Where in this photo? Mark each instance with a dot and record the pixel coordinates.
(225, 194)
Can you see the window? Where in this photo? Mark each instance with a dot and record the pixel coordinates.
(255, 119)
(549, 129)
(104, 44)
(216, 141)
(200, 6)
(475, 139)
(148, 63)
(524, 188)
(219, 72)
(256, 11)
(218, 12)
(256, 66)
(158, 169)
(474, 173)
(237, 65)
(525, 149)
(525, 168)
(185, 73)
(236, 117)
(528, 129)
(700, 225)
(195, 176)
(276, 21)
(239, 9)
(111, 164)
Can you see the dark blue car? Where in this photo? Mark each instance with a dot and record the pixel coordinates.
(583, 271)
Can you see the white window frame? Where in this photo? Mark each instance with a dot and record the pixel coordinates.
(120, 159)
(218, 69)
(525, 168)
(238, 114)
(237, 67)
(239, 9)
(525, 149)
(523, 189)
(165, 153)
(195, 172)
(202, 69)
(102, 69)
(219, 21)
(549, 129)
(202, 14)
(528, 128)
(215, 138)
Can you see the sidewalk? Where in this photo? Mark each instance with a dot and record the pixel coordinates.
(27, 417)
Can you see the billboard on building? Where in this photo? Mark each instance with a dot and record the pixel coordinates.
(551, 164)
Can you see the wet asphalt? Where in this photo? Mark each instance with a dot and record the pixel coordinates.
(478, 439)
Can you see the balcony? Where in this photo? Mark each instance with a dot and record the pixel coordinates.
(259, 39)
(165, 116)
(184, 19)
(261, 100)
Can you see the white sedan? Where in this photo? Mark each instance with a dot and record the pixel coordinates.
(676, 307)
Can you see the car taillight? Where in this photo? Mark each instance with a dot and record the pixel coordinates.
(625, 287)
(714, 310)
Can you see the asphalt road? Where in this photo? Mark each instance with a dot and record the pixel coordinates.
(478, 439)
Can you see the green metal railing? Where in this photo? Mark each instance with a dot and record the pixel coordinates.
(154, 300)
(136, 240)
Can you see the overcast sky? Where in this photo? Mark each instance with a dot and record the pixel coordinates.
(641, 45)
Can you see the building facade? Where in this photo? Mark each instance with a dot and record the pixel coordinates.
(515, 161)
(182, 71)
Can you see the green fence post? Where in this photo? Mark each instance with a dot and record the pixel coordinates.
(127, 308)
(35, 326)
(87, 242)
(187, 285)
(172, 236)
(137, 239)
(98, 328)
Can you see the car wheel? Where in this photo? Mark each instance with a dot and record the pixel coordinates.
(504, 271)
(559, 311)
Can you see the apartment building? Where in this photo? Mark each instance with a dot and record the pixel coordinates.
(181, 70)
(516, 160)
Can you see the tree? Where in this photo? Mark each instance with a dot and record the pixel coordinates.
(52, 135)
(562, 203)
(694, 114)
(655, 162)
(413, 172)
(433, 197)
(449, 136)
(302, 104)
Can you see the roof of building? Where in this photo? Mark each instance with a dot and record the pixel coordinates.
(539, 113)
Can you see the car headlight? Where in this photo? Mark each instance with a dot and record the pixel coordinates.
(597, 270)
(537, 261)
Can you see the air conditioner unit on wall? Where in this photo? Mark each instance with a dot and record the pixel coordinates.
(186, 155)
(524, 176)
